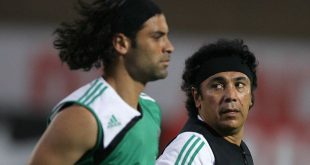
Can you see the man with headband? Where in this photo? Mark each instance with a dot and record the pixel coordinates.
(219, 81)
(109, 120)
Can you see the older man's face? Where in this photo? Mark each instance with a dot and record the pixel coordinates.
(224, 101)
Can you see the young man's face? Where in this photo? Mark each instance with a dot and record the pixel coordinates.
(224, 101)
(149, 59)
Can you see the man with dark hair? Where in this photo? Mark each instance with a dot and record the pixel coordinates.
(219, 81)
(109, 120)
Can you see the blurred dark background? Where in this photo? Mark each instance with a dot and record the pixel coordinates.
(33, 80)
(286, 18)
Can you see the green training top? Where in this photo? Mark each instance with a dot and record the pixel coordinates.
(125, 136)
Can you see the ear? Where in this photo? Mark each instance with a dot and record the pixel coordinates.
(197, 97)
(251, 101)
(251, 104)
(121, 43)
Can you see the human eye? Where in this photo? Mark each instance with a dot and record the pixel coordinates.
(217, 86)
(157, 35)
(240, 85)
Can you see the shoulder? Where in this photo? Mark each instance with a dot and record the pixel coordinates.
(150, 106)
(77, 123)
(146, 98)
(148, 103)
(189, 148)
(84, 95)
(69, 135)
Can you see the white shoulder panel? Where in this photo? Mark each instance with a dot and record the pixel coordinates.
(187, 148)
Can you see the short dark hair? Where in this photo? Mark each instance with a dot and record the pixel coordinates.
(221, 48)
(87, 42)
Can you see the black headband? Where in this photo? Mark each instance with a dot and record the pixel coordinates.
(222, 64)
(133, 13)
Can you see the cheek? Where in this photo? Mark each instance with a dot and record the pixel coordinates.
(212, 97)
(149, 51)
(149, 44)
(143, 55)
(211, 101)
(246, 99)
(155, 47)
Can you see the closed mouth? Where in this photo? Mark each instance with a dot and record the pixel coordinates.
(224, 111)
(166, 62)
(166, 59)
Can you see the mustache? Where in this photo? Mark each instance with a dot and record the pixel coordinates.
(166, 58)
(227, 110)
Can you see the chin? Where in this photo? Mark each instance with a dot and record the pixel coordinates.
(157, 78)
(230, 127)
(160, 75)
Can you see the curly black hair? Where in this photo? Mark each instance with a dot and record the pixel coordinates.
(87, 42)
(221, 48)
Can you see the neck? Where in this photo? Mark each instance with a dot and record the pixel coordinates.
(235, 138)
(127, 88)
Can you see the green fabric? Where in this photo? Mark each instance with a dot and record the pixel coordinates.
(140, 144)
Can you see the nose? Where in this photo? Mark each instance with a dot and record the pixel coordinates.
(230, 94)
(169, 47)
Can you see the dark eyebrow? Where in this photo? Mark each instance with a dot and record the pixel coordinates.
(220, 79)
(241, 78)
(160, 33)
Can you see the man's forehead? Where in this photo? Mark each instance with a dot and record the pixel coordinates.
(156, 23)
(229, 75)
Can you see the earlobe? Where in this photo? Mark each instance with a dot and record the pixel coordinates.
(196, 97)
(121, 43)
